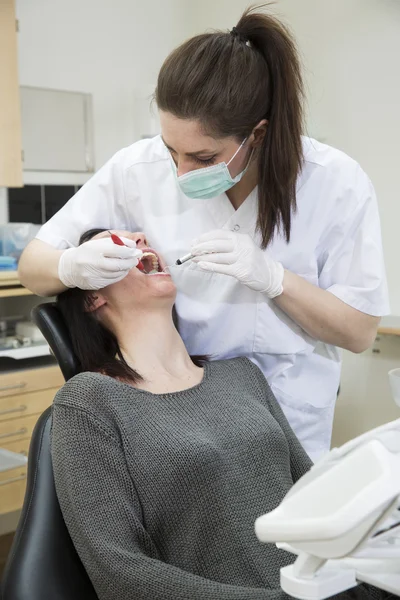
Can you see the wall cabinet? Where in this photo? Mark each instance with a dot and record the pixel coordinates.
(10, 120)
(56, 130)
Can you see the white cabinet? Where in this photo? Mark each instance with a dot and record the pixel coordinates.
(56, 130)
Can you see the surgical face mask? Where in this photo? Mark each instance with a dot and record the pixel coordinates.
(209, 182)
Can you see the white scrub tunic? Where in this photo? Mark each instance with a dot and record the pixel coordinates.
(335, 244)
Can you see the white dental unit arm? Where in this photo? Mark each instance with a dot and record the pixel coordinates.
(342, 519)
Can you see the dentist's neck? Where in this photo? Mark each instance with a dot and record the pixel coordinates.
(241, 190)
(152, 346)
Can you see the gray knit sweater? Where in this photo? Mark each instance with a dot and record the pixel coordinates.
(160, 491)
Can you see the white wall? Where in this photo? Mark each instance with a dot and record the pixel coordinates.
(108, 49)
(112, 50)
(350, 51)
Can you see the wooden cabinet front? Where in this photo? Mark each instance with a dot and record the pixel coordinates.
(10, 111)
(24, 395)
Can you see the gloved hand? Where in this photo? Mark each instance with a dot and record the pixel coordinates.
(97, 263)
(236, 254)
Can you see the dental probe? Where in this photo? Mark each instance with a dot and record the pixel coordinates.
(184, 259)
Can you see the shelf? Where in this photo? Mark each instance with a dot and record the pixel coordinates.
(26, 351)
(11, 292)
(11, 286)
(389, 326)
(11, 460)
(9, 278)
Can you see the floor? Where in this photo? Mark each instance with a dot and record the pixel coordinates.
(5, 545)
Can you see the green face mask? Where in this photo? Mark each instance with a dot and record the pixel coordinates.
(209, 182)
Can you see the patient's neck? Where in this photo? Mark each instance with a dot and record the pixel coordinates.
(152, 346)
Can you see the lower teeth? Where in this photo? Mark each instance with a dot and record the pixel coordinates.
(152, 272)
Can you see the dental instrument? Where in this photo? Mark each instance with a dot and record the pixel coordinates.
(184, 259)
(118, 242)
(342, 519)
(116, 239)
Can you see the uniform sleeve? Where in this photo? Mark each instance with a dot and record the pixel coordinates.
(104, 517)
(100, 203)
(351, 264)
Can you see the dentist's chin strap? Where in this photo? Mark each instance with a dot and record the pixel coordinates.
(342, 519)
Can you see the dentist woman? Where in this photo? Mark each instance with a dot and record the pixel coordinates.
(284, 230)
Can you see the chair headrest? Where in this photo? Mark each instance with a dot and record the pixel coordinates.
(52, 325)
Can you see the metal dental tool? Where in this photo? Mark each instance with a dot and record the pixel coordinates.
(184, 259)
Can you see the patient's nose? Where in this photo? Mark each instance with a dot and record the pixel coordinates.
(140, 239)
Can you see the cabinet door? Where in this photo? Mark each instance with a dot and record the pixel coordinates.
(10, 121)
(56, 130)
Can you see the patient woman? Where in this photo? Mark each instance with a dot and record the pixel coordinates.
(163, 462)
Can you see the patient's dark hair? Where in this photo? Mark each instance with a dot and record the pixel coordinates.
(95, 346)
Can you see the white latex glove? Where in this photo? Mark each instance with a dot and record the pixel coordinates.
(236, 254)
(97, 263)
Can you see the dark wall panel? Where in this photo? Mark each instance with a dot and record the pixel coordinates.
(25, 204)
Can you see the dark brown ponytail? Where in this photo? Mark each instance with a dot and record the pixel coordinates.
(230, 82)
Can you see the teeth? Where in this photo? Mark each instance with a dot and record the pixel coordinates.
(154, 261)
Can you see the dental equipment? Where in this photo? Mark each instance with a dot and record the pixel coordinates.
(184, 259)
(118, 242)
(116, 239)
(342, 519)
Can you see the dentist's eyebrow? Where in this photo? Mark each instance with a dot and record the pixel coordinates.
(210, 152)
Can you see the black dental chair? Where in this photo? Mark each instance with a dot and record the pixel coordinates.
(43, 563)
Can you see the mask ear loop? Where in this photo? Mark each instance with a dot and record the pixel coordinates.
(251, 155)
(238, 150)
(249, 161)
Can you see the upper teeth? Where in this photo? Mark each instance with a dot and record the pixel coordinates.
(154, 261)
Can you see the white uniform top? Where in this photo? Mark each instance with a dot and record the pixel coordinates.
(335, 244)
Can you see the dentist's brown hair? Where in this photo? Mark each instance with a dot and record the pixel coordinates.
(230, 82)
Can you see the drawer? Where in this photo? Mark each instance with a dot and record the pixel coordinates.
(12, 489)
(17, 429)
(21, 405)
(30, 381)
(20, 446)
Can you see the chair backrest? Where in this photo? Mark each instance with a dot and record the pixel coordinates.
(51, 323)
(43, 563)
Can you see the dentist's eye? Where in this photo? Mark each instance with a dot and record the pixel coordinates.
(204, 161)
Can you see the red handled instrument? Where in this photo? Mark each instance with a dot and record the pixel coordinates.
(118, 242)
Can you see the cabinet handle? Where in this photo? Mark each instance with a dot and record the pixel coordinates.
(14, 410)
(13, 386)
(3, 436)
(12, 479)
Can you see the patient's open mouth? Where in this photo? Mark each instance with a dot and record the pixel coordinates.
(151, 262)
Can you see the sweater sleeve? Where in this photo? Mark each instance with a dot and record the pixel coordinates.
(300, 462)
(103, 514)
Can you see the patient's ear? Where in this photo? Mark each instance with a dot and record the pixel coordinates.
(93, 301)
